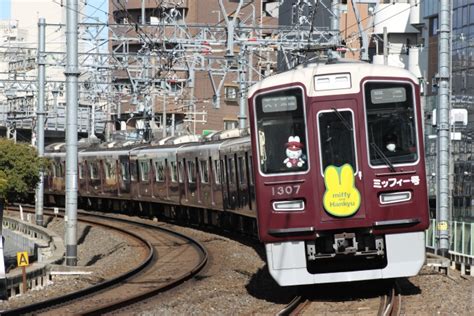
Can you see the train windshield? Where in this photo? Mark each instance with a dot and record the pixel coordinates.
(281, 132)
(336, 132)
(391, 128)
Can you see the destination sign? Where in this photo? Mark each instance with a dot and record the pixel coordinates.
(388, 95)
(279, 104)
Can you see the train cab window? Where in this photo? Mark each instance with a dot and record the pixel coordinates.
(241, 170)
(281, 127)
(159, 171)
(334, 126)
(180, 172)
(125, 170)
(191, 171)
(217, 172)
(173, 171)
(204, 171)
(94, 170)
(144, 170)
(391, 124)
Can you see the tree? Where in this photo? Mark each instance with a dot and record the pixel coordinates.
(19, 169)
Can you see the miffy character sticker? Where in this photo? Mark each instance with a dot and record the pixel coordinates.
(341, 198)
(294, 151)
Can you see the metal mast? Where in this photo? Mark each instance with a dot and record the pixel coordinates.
(72, 74)
(40, 118)
(443, 136)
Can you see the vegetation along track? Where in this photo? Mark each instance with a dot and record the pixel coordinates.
(381, 298)
(172, 259)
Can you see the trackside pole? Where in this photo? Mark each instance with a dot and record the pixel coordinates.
(40, 119)
(443, 139)
(72, 74)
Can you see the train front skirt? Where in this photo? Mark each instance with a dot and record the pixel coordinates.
(288, 264)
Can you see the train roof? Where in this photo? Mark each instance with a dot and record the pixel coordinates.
(306, 74)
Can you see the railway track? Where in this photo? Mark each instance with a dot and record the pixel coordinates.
(170, 259)
(389, 303)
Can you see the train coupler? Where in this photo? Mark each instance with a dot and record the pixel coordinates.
(345, 244)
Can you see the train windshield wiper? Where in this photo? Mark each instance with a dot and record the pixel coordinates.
(382, 155)
(342, 119)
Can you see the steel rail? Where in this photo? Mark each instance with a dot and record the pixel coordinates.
(391, 303)
(50, 303)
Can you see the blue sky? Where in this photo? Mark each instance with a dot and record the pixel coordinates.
(4, 9)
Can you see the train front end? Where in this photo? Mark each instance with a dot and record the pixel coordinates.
(339, 173)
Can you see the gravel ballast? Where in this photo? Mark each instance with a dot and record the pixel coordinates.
(236, 280)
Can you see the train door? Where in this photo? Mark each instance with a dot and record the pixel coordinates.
(339, 170)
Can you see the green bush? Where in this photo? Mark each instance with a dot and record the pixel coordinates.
(19, 169)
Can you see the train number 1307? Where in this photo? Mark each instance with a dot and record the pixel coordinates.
(285, 190)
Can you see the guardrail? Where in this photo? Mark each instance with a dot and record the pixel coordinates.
(461, 248)
(48, 249)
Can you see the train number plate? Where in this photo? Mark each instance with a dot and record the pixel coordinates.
(286, 190)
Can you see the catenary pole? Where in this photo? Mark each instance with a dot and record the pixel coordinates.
(40, 118)
(443, 136)
(335, 15)
(72, 74)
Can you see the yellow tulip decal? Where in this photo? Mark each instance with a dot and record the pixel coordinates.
(341, 198)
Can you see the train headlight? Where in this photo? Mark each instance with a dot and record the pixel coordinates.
(288, 206)
(395, 197)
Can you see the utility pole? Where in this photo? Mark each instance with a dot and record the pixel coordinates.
(363, 34)
(242, 88)
(72, 74)
(40, 119)
(443, 133)
(335, 16)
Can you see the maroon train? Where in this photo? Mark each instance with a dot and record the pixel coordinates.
(335, 159)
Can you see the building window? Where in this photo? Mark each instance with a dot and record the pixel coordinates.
(230, 124)
(231, 93)
(434, 26)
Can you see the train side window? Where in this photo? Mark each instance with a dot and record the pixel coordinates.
(94, 170)
(241, 170)
(56, 170)
(173, 171)
(280, 120)
(335, 125)
(191, 171)
(125, 170)
(159, 171)
(391, 123)
(81, 171)
(110, 172)
(204, 171)
(231, 170)
(144, 170)
(217, 171)
(180, 172)
(133, 170)
(250, 164)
